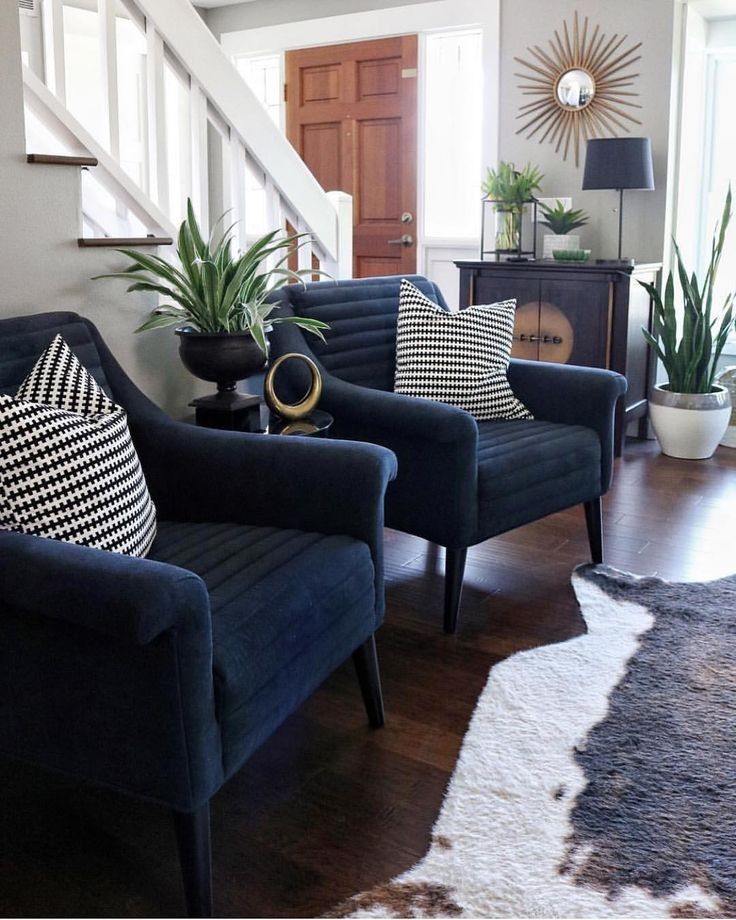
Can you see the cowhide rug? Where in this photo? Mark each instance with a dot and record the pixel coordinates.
(598, 776)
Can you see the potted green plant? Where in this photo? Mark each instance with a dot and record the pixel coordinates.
(218, 299)
(690, 413)
(561, 221)
(510, 191)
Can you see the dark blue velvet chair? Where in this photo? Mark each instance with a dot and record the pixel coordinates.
(160, 676)
(460, 481)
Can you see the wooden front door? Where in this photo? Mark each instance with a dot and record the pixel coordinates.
(351, 114)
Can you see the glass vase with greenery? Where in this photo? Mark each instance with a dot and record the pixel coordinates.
(510, 190)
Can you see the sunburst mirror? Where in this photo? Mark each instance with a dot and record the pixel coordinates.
(581, 87)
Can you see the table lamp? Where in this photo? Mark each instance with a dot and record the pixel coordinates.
(619, 163)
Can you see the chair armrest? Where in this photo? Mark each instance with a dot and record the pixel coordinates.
(412, 417)
(572, 395)
(435, 495)
(358, 405)
(129, 599)
(106, 664)
(322, 485)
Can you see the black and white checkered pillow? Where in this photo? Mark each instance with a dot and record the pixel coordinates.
(68, 468)
(58, 379)
(457, 358)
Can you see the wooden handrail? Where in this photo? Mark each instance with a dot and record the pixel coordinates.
(56, 160)
(122, 242)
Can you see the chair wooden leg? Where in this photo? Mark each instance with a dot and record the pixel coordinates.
(369, 678)
(454, 571)
(594, 522)
(195, 856)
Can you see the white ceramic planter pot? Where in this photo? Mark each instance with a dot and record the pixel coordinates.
(689, 425)
(554, 241)
(727, 379)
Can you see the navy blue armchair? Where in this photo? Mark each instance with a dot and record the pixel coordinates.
(460, 481)
(160, 676)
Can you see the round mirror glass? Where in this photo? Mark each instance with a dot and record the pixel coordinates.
(575, 89)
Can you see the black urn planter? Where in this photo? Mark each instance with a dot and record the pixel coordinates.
(220, 357)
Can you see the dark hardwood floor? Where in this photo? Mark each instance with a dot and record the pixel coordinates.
(328, 807)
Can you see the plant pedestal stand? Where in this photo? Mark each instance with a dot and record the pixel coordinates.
(228, 411)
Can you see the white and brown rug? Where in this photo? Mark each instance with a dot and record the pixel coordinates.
(598, 776)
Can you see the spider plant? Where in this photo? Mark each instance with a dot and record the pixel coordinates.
(216, 290)
(562, 220)
(690, 357)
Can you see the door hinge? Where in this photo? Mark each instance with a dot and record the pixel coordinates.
(286, 92)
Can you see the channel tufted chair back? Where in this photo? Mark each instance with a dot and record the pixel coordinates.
(361, 345)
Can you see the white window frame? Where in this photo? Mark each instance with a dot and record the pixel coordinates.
(281, 57)
(714, 57)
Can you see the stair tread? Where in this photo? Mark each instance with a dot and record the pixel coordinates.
(122, 241)
(59, 160)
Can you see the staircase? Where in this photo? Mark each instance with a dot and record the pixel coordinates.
(229, 157)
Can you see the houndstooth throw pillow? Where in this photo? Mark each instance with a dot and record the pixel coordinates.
(457, 358)
(68, 468)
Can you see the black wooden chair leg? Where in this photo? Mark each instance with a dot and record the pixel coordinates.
(195, 856)
(454, 571)
(369, 678)
(594, 522)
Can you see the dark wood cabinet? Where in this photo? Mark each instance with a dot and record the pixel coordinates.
(589, 314)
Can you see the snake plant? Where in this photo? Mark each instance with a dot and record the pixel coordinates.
(215, 289)
(690, 356)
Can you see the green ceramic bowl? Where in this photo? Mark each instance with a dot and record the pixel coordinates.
(571, 255)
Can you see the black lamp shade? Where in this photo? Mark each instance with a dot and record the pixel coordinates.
(618, 162)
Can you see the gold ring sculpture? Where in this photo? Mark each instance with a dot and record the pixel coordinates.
(306, 404)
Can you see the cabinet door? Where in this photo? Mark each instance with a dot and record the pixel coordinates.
(574, 322)
(494, 288)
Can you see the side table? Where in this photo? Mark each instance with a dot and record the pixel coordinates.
(315, 425)
(228, 411)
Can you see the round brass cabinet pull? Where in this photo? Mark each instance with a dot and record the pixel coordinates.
(307, 403)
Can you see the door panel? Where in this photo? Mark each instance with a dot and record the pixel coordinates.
(379, 191)
(320, 84)
(322, 148)
(351, 115)
(378, 78)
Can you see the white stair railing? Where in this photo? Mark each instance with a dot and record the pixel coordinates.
(221, 106)
(51, 111)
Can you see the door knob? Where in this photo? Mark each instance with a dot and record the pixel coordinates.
(406, 240)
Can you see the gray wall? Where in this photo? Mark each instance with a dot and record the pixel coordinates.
(530, 22)
(41, 266)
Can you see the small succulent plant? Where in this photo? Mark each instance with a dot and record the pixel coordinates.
(562, 220)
